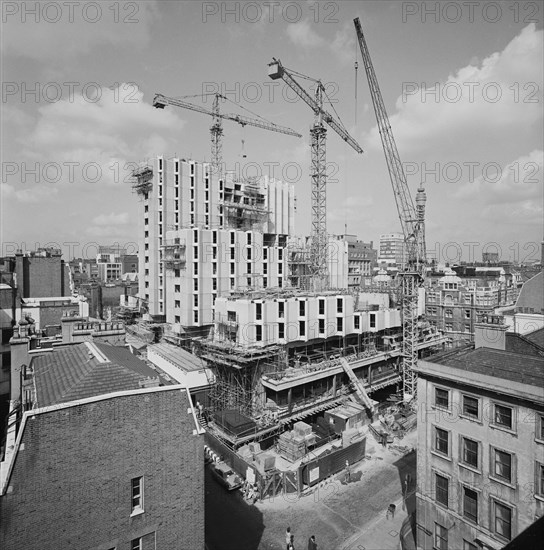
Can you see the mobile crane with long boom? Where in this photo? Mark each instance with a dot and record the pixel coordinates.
(412, 220)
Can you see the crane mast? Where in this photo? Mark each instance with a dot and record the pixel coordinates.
(318, 168)
(216, 129)
(412, 222)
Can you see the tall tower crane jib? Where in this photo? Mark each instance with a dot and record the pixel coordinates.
(318, 169)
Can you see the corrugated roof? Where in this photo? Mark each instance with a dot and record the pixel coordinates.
(69, 373)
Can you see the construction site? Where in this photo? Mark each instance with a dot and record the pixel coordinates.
(300, 370)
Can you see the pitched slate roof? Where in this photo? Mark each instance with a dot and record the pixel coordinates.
(74, 372)
(536, 337)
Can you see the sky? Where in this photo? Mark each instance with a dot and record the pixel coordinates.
(462, 84)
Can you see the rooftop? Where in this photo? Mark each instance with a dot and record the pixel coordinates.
(179, 357)
(516, 367)
(536, 337)
(79, 371)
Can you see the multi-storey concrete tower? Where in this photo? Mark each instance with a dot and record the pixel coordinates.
(180, 196)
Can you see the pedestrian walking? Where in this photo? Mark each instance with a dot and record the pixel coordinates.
(348, 472)
(391, 511)
(288, 538)
(291, 545)
(312, 545)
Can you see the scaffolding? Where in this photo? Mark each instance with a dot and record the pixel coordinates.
(237, 372)
(142, 179)
(174, 254)
(244, 204)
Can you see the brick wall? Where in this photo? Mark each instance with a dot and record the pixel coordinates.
(71, 485)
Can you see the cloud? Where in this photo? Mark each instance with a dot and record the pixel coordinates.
(58, 31)
(520, 181)
(94, 140)
(302, 34)
(35, 194)
(343, 44)
(501, 95)
(112, 219)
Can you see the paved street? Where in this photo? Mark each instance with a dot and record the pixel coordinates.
(347, 517)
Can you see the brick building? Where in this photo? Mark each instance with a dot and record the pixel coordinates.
(457, 298)
(103, 456)
(480, 442)
(41, 274)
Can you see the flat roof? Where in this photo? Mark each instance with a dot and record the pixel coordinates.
(516, 367)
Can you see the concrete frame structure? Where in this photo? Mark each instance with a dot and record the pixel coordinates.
(177, 194)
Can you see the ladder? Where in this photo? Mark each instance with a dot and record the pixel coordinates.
(358, 385)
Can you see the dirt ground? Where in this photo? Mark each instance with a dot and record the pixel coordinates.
(335, 512)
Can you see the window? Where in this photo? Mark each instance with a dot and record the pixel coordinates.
(302, 308)
(540, 427)
(372, 320)
(470, 406)
(467, 313)
(136, 544)
(232, 238)
(265, 254)
(539, 481)
(503, 416)
(356, 322)
(448, 312)
(258, 312)
(470, 504)
(441, 398)
(195, 285)
(302, 328)
(177, 303)
(249, 238)
(232, 268)
(469, 452)
(321, 306)
(441, 441)
(249, 268)
(137, 485)
(195, 269)
(281, 330)
(339, 324)
(280, 269)
(502, 464)
(258, 333)
(440, 537)
(232, 253)
(177, 288)
(195, 316)
(442, 489)
(280, 254)
(281, 310)
(339, 305)
(195, 300)
(469, 545)
(502, 524)
(321, 326)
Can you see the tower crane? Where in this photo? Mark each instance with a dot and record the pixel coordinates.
(216, 129)
(318, 171)
(412, 220)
